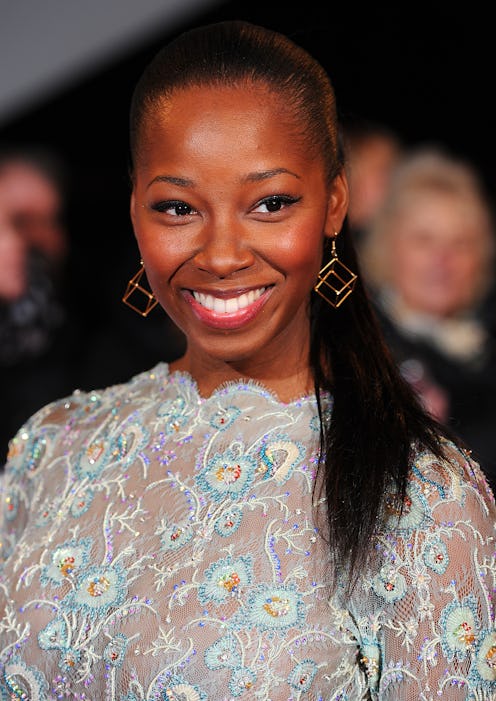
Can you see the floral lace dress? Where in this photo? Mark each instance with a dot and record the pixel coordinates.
(158, 545)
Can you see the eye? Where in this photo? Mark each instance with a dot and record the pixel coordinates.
(274, 203)
(174, 208)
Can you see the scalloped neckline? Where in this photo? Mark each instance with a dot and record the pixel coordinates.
(230, 386)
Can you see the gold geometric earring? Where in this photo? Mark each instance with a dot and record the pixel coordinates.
(336, 280)
(134, 286)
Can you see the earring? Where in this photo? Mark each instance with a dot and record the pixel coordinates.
(335, 281)
(134, 286)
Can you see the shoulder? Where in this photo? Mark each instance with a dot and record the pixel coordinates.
(439, 492)
(54, 428)
(455, 476)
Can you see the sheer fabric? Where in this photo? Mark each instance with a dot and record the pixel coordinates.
(160, 545)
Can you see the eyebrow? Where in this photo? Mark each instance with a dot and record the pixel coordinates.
(266, 174)
(173, 179)
(251, 177)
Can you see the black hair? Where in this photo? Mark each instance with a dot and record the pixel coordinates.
(42, 159)
(377, 419)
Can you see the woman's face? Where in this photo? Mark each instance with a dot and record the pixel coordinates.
(230, 212)
(13, 259)
(438, 252)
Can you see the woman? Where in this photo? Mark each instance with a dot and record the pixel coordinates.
(429, 261)
(272, 516)
(36, 334)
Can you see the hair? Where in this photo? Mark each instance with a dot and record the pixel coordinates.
(366, 448)
(429, 171)
(41, 159)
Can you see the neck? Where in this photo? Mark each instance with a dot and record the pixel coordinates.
(287, 383)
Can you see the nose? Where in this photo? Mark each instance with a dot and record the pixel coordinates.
(224, 249)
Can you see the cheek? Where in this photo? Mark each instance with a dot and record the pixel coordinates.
(159, 260)
(470, 266)
(300, 260)
(301, 246)
(407, 261)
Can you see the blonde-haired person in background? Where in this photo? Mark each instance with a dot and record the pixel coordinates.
(428, 258)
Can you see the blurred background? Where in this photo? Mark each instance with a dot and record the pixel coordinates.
(67, 71)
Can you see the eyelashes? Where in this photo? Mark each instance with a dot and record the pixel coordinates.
(267, 205)
(177, 208)
(275, 203)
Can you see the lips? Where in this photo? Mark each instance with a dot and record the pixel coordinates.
(227, 312)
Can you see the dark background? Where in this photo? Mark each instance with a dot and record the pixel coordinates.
(426, 70)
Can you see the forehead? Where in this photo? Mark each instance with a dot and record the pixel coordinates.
(222, 113)
(25, 184)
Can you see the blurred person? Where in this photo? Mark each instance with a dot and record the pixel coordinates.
(428, 258)
(372, 151)
(35, 362)
(33, 183)
(13, 260)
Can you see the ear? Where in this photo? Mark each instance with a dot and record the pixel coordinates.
(132, 209)
(338, 205)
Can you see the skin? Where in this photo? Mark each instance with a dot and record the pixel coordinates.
(13, 259)
(370, 170)
(34, 206)
(439, 247)
(220, 156)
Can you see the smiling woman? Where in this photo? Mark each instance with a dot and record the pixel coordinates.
(272, 516)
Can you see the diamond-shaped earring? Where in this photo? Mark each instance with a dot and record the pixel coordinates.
(135, 287)
(335, 281)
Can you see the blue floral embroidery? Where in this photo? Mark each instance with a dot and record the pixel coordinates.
(11, 504)
(370, 659)
(225, 652)
(389, 584)
(227, 474)
(47, 512)
(69, 659)
(67, 561)
(435, 555)
(178, 689)
(224, 417)
(485, 666)
(174, 536)
(26, 452)
(54, 635)
(172, 413)
(82, 502)
(92, 460)
(225, 578)
(271, 607)
(98, 589)
(425, 480)
(25, 682)
(239, 641)
(115, 650)
(415, 512)
(229, 522)
(460, 626)
(301, 677)
(280, 456)
(128, 443)
(242, 679)
(314, 423)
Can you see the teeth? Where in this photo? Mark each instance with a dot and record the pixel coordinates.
(228, 306)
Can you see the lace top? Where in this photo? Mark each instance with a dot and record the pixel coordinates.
(162, 546)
